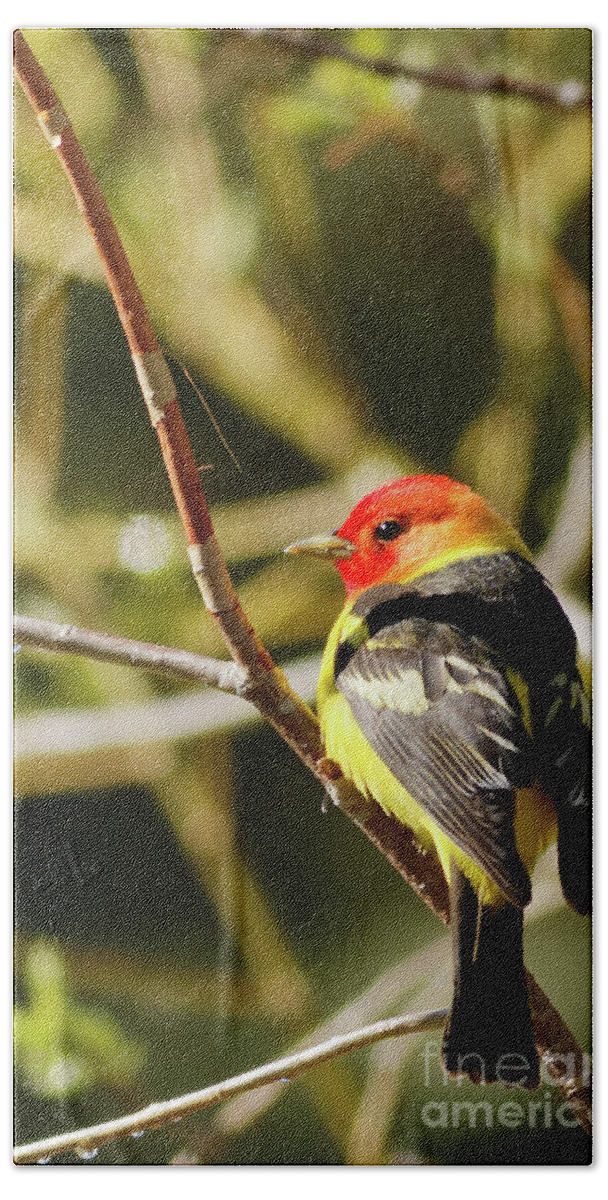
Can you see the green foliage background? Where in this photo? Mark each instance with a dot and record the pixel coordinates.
(365, 277)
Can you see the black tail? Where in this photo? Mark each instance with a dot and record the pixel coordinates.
(490, 1021)
(574, 855)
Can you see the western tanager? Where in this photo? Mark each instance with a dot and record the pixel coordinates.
(449, 692)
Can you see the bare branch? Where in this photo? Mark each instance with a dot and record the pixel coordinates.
(424, 966)
(273, 696)
(180, 664)
(270, 691)
(570, 94)
(283, 1070)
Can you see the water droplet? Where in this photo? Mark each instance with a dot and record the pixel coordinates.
(87, 1155)
(138, 1133)
(16, 649)
(176, 1120)
(285, 1079)
(43, 1161)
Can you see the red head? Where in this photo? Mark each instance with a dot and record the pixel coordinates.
(404, 526)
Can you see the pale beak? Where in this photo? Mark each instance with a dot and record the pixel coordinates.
(324, 545)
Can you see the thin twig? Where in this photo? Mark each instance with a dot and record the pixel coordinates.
(283, 1070)
(270, 691)
(215, 424)
(569, 94)
(105, 647)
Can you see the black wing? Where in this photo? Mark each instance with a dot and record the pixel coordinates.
(501, 601)
(564, 771)
(446, 722)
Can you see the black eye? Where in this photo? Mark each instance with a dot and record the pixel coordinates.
(387, 531)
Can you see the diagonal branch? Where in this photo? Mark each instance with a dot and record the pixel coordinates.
(273, 697)
(569, 94)
(86, 1142)
(269, 689)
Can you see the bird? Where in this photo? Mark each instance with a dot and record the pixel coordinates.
(450, 693)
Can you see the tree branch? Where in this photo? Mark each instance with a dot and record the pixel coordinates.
(179, 664)
(424, 967)
(87, 1141)
(269, 690)
(567, 95)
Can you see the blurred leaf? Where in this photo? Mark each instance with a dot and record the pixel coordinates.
(62, 1048)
